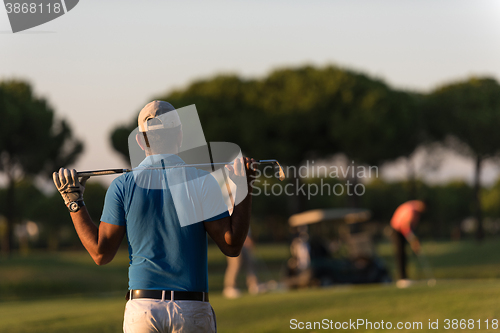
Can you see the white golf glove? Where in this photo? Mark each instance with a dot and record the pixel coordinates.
(68, 185)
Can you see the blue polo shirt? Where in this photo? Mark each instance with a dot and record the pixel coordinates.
(163, 254)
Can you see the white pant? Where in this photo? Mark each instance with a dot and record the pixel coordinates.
(151, 315)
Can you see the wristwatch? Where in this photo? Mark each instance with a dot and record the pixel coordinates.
(74, 206)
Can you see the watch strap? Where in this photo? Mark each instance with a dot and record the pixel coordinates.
(80, 204)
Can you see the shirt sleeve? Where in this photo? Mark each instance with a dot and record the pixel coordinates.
(114, 211)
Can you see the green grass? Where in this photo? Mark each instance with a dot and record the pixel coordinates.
(67, 292)
(452, 260)
(64, 273)
(272, 312)
(69, 314)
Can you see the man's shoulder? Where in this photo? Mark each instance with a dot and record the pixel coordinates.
(207, 179)
(121, 181)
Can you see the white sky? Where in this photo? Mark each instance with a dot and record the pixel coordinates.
(101, 62)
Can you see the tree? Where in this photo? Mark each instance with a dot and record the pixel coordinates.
(380, 124)
(465, 115)
(339, 111)
(224, 108)
(300, 113)
(32, 142)
(287, 110)
(26, 199)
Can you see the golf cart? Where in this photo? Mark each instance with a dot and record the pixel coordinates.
(333, 246)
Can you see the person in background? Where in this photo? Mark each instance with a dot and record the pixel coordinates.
(234, 265)
(403, 222)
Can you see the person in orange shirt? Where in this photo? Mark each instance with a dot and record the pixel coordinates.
(403, 222)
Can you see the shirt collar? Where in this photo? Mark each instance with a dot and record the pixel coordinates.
(155, 160)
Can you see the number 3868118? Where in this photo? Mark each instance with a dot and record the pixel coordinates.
(32, 8)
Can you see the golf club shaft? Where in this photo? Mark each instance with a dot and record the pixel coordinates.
(424, 264)
(101, 172)
(118, 171)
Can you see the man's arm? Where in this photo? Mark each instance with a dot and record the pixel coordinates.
(410, 236)
(229, 233)
(414, 242)
(101, 242)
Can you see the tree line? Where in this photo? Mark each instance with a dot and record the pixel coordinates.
(293, 115)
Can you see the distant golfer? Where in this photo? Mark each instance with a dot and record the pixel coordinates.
(234, 265)
(403, 222)
(168, 274)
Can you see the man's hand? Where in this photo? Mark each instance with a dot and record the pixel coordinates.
(242, 166)
(414, 243)
(68, 185)
(101, 243)
(415, 246)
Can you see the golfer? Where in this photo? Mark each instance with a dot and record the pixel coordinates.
(168, 274)
(403, 222)
(234, 265)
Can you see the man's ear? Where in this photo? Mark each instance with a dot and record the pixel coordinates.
(139, 137)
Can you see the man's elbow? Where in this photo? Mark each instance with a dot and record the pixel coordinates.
(232, 251)
(101, 260)
(231, 247)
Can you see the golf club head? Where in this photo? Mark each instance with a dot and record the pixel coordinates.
(276, 164)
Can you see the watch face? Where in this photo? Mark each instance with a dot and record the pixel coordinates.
(73, 206)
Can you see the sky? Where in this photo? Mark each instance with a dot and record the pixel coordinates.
(100, 63)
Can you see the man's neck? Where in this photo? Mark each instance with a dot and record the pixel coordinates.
(173, 152)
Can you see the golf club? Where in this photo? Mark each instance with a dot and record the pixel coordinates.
(426, 267)
(117, 171)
